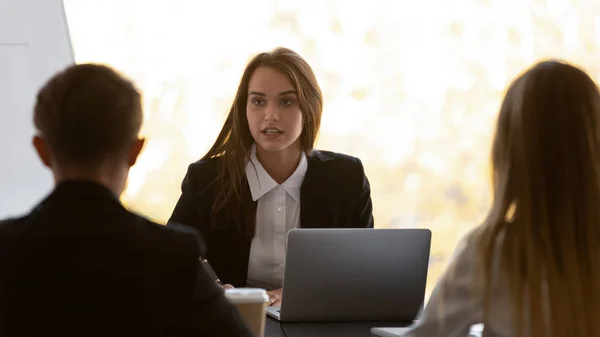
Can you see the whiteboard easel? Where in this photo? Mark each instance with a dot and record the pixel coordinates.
(34, 44)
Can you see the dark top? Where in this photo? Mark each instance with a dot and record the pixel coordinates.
(80, 264)
(335, 194)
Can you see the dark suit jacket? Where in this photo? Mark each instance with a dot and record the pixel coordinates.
(335, 194)
(82, 265)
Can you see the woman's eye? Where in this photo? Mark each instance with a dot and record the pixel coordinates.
(287, 102)
(257, 101)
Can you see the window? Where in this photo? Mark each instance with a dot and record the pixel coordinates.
(411, 87)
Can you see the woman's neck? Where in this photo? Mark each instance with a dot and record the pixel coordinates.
(280, 165)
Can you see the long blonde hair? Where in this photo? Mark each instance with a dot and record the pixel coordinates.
(546, 207)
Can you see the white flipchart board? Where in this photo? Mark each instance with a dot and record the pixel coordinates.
(34, 44)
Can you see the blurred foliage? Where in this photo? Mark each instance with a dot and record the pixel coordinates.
(411, 87)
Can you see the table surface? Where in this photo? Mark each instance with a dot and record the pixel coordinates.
(274, 329)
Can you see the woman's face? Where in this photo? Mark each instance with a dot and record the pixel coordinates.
(273, 112)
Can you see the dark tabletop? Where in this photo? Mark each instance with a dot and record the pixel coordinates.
(274, 329)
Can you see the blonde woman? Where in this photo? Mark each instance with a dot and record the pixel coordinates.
(532, 268)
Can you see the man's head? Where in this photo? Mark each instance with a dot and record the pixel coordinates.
(88, 118)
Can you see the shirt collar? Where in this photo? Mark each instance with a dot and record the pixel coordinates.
(261, 183)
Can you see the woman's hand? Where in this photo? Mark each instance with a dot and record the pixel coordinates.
(227, 286)
(275, 297)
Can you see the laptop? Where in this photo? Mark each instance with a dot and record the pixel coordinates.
(357, 275)
(475, 331)
(389, 332)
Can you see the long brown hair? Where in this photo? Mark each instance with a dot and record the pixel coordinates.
(234, 141)
(545, 217)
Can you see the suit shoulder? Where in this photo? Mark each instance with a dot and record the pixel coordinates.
(205, 166)
(204, 171)
(335, 169)
(8, 222)
(10, 225)
(175, 236)
(201, 175)
(330, 158)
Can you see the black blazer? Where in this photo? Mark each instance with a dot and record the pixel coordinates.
(82, 265)
(335, 194)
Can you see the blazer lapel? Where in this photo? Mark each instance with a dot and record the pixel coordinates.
(310, 201)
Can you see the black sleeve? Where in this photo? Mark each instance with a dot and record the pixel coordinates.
(185, 212)
(362, 216)
(212, 313)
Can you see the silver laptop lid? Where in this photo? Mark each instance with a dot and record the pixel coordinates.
(355, 274)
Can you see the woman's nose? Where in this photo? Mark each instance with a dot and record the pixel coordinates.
(272, 113)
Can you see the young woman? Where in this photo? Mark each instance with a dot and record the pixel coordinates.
(262, 177)
(533, 267)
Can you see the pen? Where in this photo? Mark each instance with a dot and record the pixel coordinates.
(210, 271)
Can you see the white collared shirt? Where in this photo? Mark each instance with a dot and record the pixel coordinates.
(277, 212)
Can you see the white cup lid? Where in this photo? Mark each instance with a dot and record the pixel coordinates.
(246, 295)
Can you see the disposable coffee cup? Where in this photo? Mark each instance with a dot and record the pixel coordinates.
(251, 303)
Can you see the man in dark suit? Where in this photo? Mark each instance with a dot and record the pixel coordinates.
(80, 264)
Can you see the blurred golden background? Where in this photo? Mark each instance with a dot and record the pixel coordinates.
(411, 87)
